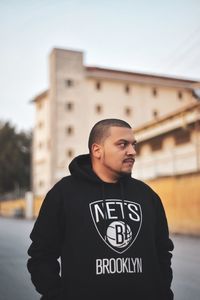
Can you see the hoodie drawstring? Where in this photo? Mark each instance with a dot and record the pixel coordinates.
(123, 204)
(105, 210)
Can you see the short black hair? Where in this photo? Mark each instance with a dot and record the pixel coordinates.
(101, 130)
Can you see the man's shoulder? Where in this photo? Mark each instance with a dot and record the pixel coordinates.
(63, 185)
(142, 185)
(138, 182)
(63, 182)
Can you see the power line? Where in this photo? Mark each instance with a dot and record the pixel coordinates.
(180, 54)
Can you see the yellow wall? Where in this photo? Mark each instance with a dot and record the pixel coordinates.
(37, 205)
(10, 208)
(180, 196)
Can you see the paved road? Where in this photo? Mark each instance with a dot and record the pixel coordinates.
(186, 268)
(15, 281)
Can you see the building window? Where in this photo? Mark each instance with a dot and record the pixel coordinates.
(180, 95)
(98, 109)
(40, 145)
(138, 148)
(98, 85)
(39, 105)
(127, 89)
(70, 153)
(40, 124)
(156, 144)
(69, 82)
(41, 183)
(128, 111)
(154, 92)
(155, 114)
(69, 106)
(182, 136)
(69, 130)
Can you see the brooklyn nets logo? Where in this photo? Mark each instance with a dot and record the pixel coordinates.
(118, 223)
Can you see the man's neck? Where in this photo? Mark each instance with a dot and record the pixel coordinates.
(108, 177)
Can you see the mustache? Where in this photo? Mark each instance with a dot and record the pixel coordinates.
(129, 159)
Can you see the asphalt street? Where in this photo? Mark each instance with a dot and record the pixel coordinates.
(15, 283)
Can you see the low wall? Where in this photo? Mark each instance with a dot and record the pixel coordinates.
(181, 198)
(37, 205)
(10, 208)
(17, 207)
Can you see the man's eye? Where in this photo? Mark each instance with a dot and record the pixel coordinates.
(122, 145)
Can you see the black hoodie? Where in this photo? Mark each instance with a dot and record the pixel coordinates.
(112, 239)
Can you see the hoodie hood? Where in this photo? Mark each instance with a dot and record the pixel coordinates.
(81, 166)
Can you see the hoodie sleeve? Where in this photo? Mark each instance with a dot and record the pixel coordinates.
(164, 247)
(45, 249)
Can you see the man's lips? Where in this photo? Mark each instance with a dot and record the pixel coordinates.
(129, 160)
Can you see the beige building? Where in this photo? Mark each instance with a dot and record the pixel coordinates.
(169, 146)
(79, 96)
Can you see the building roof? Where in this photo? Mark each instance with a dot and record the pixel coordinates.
(133, 77)
(144, 78)
(180, 118)
(40, 96)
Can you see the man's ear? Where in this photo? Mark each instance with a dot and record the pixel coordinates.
(96, 151)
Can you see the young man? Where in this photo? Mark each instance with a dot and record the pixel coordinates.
(109, 229)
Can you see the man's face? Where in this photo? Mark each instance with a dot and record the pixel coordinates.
(118, 151)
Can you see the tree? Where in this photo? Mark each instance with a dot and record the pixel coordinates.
(15, 158)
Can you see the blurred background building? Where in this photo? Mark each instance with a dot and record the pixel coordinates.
(163, 111)
(165, 115)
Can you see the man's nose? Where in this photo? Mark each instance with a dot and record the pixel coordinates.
(131, 150)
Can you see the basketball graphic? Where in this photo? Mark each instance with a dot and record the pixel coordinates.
(119, 234)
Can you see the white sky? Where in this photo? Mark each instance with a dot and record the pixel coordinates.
(154, 36)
